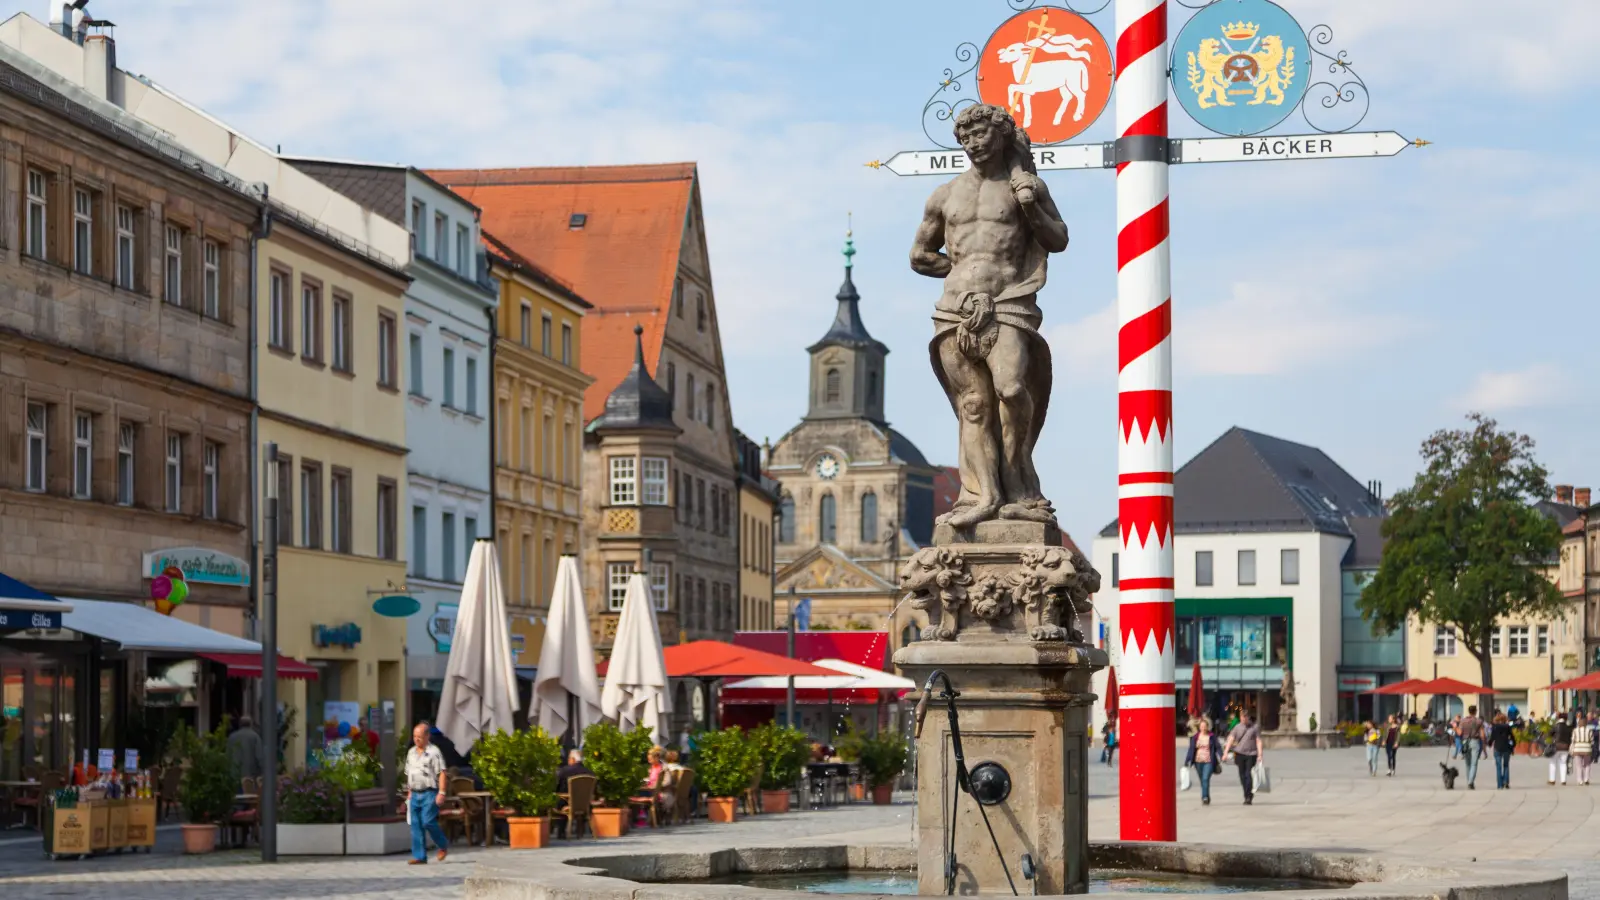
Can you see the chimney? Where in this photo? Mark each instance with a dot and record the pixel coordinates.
(61, 18)
(1564, 494)
(1580, 497)
(100, 61)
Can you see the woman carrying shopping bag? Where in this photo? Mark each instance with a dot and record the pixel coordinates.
(1373, 738)
(1205, 754)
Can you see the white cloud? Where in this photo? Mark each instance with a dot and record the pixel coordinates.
(1539, 384)
(1277, 327)
(1086, 348)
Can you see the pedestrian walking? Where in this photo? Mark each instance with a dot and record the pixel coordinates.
(1373, 739)
(1391, 742)
(1583, 741)
(1562, 733)
(1469, 732)
(1205, 754)
(1244, 745)
(1454, 731)
(1503, 740)
(244, 750)
(1111, 742)
(425, 774)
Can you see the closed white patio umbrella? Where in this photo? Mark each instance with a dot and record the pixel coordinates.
(566, 685)
(480, 681)
(636, 679)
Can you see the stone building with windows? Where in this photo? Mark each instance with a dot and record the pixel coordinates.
(857, 496)
(631, 241)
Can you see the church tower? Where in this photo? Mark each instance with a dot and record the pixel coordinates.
(847, 365)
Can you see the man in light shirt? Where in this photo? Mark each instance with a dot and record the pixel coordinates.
(1244, 744)
(425, 781)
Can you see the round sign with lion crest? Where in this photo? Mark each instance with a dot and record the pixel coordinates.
(1241, 66)
(1051, 68)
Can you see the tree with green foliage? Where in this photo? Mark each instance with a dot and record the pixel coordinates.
(618, 761)
(519, 768)
(883, 758)
(1464, 545)
(783, 751)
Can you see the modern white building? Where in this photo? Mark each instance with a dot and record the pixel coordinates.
(1268, 535)
(446, 339)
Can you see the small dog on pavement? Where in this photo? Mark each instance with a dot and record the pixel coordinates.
(1449, 774)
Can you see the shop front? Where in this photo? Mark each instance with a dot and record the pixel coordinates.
(1243, 648)
(428, 637)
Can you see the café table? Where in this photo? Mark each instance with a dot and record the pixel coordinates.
(9, 790)
(488, 813)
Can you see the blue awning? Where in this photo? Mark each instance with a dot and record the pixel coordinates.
(12, 589)
(25, 608)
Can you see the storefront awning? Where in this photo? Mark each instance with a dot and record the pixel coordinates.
(134, 627)
(248, 665)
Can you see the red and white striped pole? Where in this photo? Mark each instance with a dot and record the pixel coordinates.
(1147, 724)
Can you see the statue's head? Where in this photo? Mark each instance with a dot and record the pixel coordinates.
(987, 132)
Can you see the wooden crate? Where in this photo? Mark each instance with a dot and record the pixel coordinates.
(117, 824)
(67, 832)
(141, 825)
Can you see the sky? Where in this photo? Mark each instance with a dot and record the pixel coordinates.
(1353, 305)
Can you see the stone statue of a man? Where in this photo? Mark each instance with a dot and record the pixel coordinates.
(987, 233)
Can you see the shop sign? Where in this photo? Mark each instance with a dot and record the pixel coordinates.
(24, 619)
(442, 625)
(347, 635)
(518, 644)
(1357, 684)
(199, 565)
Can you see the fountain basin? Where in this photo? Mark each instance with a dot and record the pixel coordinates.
(705, 875)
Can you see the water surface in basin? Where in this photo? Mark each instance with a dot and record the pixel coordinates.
(1103, 881)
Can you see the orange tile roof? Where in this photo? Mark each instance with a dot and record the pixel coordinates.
(623, 260)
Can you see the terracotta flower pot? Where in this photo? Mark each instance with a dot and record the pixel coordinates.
(882, 794)
(774, 801)
(608, 821)
(858, 791)
(199, 838)
(1524, 747)
(720, 809)
(529, 832)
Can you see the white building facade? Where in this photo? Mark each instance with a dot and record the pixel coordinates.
(1264, 534)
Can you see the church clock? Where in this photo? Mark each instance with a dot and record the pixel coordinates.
(827, 467)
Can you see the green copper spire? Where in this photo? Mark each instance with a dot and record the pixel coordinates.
(849, 240)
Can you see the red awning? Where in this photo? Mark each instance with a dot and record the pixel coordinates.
(715, 659)
(248, 665)
(864, 648)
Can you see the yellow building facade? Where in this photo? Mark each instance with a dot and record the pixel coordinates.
(758, 506)
(538, 426)
(329, 321)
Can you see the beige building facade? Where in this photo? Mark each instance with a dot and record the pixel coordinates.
(758, 510)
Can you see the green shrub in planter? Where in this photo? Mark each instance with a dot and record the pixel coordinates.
(310, 797)
(848, 745)
(783, 752)
(208, 786)
(883, 758)
(725, 762)
(617, 759)
(354, 769)
(519, 768)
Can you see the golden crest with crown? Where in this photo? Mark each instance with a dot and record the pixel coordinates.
(1241, 63)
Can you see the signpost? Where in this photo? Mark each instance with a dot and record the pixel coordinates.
(1239, 68)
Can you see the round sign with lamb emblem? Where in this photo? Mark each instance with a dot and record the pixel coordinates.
(1051, 68)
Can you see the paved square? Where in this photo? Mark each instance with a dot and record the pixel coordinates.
(1320, 800)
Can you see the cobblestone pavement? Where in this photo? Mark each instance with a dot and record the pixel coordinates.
(1320, 800)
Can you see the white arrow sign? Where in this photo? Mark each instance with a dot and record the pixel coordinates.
(1290, 146)
(952, 162)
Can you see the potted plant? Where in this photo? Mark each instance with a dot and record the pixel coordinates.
(883, 758)
(207, 788)
(727, 759)
(617, 759)
(848, 749)
(519, 769)
(310, 814)
(783, 752)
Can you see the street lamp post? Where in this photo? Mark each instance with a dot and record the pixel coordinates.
(788, 697)
(269, 659)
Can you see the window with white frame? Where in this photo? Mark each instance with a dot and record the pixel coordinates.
(545, 324)
(83, 231)
(527, 325)
(617, 584)
(210, 465)
(472, 385)
(416, 364)
(82, 455)
(126, 432)
(311, 321)
(441, 250)
(342, 339)
(660, 585)
(449, 364)
(126, 223)
(447, 545)
(1542, 640)
(1496, 645)
(278, 314)
(569, 447)
(339, 513)
(462, 254)
(1517, 640)
(566, 343)
(38, 444)
(653, 475)
(1444, 640)
(172, 284)
(1289, 566)
(419, 541)
(418, 235)
(624, 487)
(1247, 567)
(211, 278)
(549, 467)
(387, 375)
(174, 472)
(33, 238)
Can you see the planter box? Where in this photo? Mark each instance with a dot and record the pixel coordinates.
(368, 838)
(775, 801)
(721, 809)
(608, 822)
(528, 832)
(882, 794)
(313, 840)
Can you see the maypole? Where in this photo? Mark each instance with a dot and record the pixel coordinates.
(1147, 725)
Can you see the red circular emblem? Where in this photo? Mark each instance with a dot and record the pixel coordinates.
(1051, 68)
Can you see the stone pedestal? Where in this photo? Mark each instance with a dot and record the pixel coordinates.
(1025, 705)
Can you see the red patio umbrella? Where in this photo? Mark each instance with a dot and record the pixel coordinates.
(1450, 686)
(1409, 686)
(1197, 693)
(1589, 682)
(715, 659)
(1111, 693)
